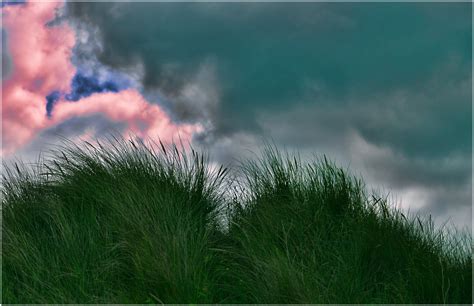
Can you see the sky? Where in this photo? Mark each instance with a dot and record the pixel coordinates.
(384, 89)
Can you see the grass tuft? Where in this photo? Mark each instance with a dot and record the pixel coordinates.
(125, 221)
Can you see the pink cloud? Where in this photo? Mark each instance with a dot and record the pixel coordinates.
(143, 119)
(41, 63)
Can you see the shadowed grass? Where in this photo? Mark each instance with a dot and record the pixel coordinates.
(125, 222)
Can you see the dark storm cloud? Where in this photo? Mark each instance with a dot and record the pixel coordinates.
(249, 44)
(264, 52)
(309, 75)
(430, 121)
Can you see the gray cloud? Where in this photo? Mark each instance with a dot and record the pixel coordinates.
(91, 127)
(389, 141)
(6, 58)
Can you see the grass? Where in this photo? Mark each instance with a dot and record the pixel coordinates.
(128, 222)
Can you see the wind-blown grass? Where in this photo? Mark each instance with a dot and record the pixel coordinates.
(127, 222)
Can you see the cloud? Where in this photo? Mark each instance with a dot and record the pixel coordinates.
(440, 187)
(142, 118)
(40, 65)
(6, 58)
(75, 129)
(197, 101)
(43, 75)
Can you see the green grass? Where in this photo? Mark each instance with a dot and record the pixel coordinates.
(125, 222)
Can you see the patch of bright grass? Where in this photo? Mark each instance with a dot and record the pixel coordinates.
(125, 222)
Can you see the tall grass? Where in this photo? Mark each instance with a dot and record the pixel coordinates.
(309, 233)
(128, 222)
(122, 224)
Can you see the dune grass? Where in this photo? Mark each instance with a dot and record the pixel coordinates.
(128, 222)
